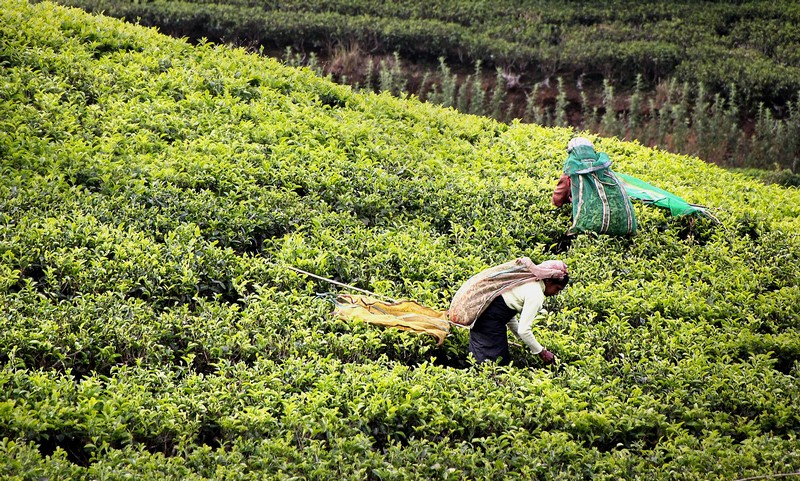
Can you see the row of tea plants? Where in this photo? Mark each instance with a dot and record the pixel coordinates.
(154, 193)
(681, 118)
(678, 69)
(751, 44)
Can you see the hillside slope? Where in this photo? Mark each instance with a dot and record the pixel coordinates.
(750, 44)
(153, 194)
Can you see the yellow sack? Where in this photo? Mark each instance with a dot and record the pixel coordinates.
(406, 315)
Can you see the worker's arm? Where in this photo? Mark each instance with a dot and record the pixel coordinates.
(562, 194)
(527, 299)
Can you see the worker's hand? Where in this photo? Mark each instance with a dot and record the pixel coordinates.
(547, 357)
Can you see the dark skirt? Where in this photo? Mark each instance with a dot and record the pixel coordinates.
(488, 338)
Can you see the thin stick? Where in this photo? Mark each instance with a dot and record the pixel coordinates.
(340, 283)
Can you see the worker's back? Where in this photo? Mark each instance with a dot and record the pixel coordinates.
(599, 202)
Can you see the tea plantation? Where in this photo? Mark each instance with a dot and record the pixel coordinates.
(154, 194)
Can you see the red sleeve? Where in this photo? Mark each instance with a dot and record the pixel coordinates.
(562, 194)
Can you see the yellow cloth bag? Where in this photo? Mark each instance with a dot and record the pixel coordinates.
(405, 315)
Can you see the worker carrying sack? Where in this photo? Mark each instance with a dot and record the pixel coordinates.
(600, 203)
(475, 295)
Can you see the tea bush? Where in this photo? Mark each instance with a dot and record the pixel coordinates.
(750, 44)
(687, 68)
(154, 194)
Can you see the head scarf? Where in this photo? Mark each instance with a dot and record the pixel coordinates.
(552, 269)
(577, 142)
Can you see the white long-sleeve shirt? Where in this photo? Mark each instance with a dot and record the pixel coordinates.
(527, 299)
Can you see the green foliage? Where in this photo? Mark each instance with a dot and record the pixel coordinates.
(751, 44)
(153, 194)
(744, 52)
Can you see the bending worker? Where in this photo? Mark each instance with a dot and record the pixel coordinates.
(489, 302)
(600, 203)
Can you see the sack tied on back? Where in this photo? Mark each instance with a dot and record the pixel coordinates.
(475, 295)
(600, 203)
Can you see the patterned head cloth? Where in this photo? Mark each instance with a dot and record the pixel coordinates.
(554, 265)
(578, 141)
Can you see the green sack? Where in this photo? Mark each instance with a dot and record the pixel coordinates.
(599, 201)
(649, 194)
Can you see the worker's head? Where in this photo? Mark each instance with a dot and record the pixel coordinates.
(555, 285)
(577, 142)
